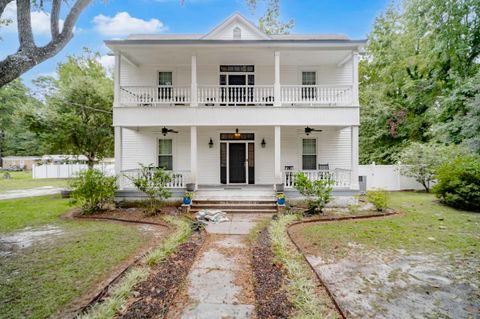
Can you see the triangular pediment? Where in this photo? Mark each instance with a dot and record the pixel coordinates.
(236, 27)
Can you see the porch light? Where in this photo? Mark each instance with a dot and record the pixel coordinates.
(237, 135)
(210, 144)
(263, 143)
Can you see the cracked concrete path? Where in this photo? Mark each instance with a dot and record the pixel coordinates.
(220, 283)
(30, 192)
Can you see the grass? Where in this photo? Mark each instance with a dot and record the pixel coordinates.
(426, 226)
(301, 287)
(119, 293)
(24, 180)
(40, 280)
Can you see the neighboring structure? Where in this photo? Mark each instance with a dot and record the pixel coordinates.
(238, 107)
(20, 162)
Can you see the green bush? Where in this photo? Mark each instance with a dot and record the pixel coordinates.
(459, 183)
(152, 181)
(318, 193)
(92, 189)
(378, 198)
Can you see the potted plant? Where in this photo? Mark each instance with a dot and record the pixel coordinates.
(281, 199)
(187, 198)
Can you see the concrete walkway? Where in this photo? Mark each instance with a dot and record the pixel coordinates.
(220, 282)
(30, 192)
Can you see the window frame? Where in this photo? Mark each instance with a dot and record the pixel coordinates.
(309, 71)
(303, 153)
(165, 71)
(171, 152)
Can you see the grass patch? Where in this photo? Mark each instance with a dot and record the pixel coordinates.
(24, 180)
(427, 226)
(28, 212)
(40, 280)
(257, 229)
(119, 293)
(300, 286)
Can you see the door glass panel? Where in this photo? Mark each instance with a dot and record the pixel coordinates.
(309, 153)
(223, 163)
(251, 163)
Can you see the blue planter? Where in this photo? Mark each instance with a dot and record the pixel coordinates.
(281, 201)
(187, 200)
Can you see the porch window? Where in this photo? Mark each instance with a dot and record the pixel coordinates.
(165, 155)
(165, 82)
(309, 78)
(309, 154)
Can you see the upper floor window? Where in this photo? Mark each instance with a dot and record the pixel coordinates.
(237, 33)
(165, 154)
(309, 78)
(309, 153)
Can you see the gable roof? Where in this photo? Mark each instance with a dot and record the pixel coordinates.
(236, 19)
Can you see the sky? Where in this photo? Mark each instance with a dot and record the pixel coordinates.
(115, 19)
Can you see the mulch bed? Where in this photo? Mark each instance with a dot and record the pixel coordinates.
(269, 283)
(158, 291)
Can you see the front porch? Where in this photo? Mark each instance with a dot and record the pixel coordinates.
(218, 157)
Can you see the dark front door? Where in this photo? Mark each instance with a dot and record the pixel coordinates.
(236, 163)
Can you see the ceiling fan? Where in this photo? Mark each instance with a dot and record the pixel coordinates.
(309, 130)
(165, 131)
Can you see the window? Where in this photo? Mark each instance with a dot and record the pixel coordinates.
(165, 78)
(309, 78)
(237, 33)
(165, 156)
(309, 153)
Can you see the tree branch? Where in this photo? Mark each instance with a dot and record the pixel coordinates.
(25, 35)
(54, 18)
(3, 4)
(29, 55)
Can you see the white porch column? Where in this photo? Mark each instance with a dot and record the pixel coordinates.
(118, 153)
(116, 75)
(277, 166)
(355, 98)
(276, 85)
(193, 154)
(194, 96)
(354, 156)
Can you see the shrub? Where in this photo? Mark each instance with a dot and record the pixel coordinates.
(152, 181)
(318, 193)
(378, 198)
(459, 183)
(92, 189)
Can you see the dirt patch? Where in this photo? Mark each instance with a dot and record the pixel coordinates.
(369, 283)
(28, 237)
(269, 281)
(153, 297)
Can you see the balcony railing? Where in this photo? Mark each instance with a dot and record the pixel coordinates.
(340, 177)
(316, 94)
(225, 95)
(179, 178)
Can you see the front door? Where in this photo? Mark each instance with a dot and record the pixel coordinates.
(237, 159)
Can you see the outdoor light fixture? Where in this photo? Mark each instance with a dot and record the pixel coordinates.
(210, 144)
(237, 135)
(309, 130)
(263, 143)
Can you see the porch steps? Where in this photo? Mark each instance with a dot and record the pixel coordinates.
(236, 206)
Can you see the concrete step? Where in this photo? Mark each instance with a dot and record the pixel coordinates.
(252, 210)
(233, 202)
(229, 205)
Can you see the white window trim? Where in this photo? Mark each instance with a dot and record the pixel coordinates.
(302, 69)
(300, 151)
(173, 150)
(157, 76)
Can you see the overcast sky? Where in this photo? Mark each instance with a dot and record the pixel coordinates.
(115, 19)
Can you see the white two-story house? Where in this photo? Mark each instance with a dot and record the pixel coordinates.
(238, 107)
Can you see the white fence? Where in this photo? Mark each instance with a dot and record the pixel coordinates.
(388, 177)
(67, 170)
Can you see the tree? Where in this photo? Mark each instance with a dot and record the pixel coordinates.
(418, 56)
(77, 116)
(28, 54)
(270, 21)
(421, 161)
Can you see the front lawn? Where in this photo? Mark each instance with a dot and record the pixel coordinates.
(24, 180)
(60, 259)
(427, 226)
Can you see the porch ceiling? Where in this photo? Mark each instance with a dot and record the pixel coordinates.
(215, 56)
